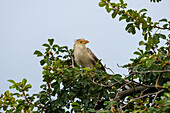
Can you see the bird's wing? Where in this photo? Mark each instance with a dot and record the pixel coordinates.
(94, 59)
(92, 56)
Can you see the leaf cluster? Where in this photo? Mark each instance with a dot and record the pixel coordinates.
(69, 88)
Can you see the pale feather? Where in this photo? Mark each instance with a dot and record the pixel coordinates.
(85, 57)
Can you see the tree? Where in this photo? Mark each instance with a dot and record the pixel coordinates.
(145, 89)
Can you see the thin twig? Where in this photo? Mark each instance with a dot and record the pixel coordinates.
(121, 88)
(23, 92)
(143, 91)
(99, 84)
(134, 91)
(162, 52)
(103, 84)
(148, 86)
(29, 102)
(156, 96)
(151, 71)
(109, 69)
(142, 97)
(119, 66)
(97, 100)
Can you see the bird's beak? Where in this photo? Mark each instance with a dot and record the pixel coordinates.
(86, 41)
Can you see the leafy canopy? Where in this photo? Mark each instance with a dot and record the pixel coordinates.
(70, 88)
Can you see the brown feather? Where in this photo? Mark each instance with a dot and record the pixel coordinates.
(95, 59)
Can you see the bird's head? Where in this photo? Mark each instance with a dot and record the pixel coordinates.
(81, 41)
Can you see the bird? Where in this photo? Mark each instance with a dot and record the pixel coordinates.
(83, 56)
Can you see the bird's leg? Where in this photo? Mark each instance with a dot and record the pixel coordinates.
(72, 62)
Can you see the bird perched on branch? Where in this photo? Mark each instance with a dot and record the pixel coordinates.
(84, 57)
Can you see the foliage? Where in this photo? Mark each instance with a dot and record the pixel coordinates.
(155, 0)
(70, 88)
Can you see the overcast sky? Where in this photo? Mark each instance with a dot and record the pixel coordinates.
(26, 24)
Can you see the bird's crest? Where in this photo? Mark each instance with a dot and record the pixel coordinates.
(79, 39)
(82, 40)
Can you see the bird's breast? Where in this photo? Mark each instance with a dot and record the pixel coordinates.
(82, 57)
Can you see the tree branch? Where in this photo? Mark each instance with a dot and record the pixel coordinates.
(109, 69)
(117, 94)
(143, 97)
(156, 96)
(100, 84)
(151, 71)
(130, 91)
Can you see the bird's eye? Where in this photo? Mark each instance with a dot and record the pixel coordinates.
(80, 41)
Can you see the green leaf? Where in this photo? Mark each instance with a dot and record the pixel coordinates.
(12, 87)
(142, 10)
(128, 26)
(147, 48)
(92, 110)
(75, 104)
(12, 81)
(114, 13)
(162, 36)
(38, 53)
(46, 45)
(148, 19)
(109, 10)
(51, 41)
(113, 4)
(155, 24)
(102, 4)
(66, 47)
(156, 39)
(121, 1)
(165, 25)
(163, 20)
(137, 53)
(42, 62)
(152, 110)
(137, 25)
(24, 81)
(149, 63)
(141, 43)
(155, 1)
(106, 102)
(55, 46)
(145, 36)
(122, 17)
(28, 86)
(117, 77)
(167, 94)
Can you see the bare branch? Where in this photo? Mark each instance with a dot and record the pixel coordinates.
(151, 71)
(156, 94)
(29, 102)
(109, 69)
(117, 94)
(162, 52)
(143, 91)
(142, 97)
(130, 91)
(100, 84)
(97, 101)
(134, 91)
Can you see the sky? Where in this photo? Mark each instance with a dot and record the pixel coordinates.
(26, 24)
